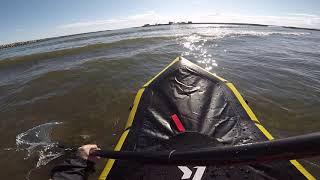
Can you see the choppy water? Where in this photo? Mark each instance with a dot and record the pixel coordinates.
(88, 82)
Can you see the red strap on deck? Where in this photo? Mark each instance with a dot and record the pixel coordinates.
(178, 123)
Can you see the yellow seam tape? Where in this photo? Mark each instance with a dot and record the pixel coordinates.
(123, 137)
(134, 108)
(302, 170)
(264, 130)
(110, 162)
(242, 102)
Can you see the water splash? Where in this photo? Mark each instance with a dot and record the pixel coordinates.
(37, 141)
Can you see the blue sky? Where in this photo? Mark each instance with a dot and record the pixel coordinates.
(33, 19)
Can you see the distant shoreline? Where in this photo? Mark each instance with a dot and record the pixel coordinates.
(22, 43)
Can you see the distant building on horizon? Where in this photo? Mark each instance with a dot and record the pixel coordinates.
(169, 23)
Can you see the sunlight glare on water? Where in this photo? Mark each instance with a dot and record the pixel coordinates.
(195, 45)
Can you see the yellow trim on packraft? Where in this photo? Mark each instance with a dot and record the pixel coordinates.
(110, 162)
(250, 113)
(134, 108)
(264, 130)
(302, 170)
(124, 135)
(257, 122)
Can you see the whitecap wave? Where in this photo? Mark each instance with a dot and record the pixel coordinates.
(219, 33)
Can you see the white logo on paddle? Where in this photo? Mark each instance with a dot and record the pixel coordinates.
(188, 172)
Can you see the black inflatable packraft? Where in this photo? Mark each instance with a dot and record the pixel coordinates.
(186, 107)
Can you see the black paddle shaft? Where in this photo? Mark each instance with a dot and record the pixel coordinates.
(297, 147)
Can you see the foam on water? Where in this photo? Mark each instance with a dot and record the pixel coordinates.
(37, 141)
(219, 33)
